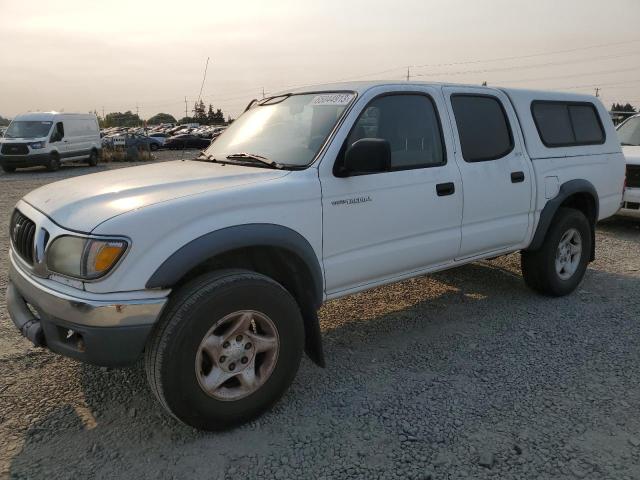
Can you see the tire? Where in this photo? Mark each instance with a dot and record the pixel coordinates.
(54, 162)
(176, 366)
(153, 147)
(540, 268)
(93, 159)
(8, 169)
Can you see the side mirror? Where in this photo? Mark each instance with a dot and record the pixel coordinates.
(367, 155)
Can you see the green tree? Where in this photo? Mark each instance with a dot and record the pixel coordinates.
(210, 115)
(618, 107)
(118, 119)
(218, 117)
(200, 112)
(184, 120)
(4, 121)
(159, 118)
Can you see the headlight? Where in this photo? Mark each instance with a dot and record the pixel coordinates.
(36, 145)
(84, 258)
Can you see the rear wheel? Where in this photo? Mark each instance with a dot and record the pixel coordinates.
(558, 267)
(8, 169)
(54, 162)
(227, 348)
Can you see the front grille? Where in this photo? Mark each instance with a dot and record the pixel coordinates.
(23, 232)
(15, 149)
(633, 176)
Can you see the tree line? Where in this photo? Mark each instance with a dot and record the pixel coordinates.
(201, 115)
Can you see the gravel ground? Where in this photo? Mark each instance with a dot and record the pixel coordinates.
(460, 374)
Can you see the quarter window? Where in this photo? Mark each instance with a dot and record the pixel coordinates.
(409, 122)
(483, 127)
(567, 124)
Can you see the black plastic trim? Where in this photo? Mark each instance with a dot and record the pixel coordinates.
(549, 211)
(227, 239)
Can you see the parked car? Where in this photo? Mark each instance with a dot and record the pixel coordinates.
(49, 139)
(214, 269)
(161, 138)
(137, 140)
(629, 134)
(180, 142)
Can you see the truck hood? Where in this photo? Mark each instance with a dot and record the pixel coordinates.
(82, 203)
(631, 154)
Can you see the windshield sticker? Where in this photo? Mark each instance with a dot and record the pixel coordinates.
(332, 99)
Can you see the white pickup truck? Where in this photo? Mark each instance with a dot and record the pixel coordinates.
(629, 134)
(214, 268)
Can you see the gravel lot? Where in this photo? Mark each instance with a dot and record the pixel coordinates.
(461, 374)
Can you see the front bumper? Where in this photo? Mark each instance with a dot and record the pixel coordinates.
(108, 333)
(631, 202)
(29, 160)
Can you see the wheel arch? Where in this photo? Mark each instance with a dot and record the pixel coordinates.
(578, 194)
(273, 250)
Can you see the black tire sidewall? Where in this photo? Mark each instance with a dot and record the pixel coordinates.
(93, 158)
(54, 163)
(182, 392)
(568, 219)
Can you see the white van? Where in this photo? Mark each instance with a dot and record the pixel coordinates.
(48, 139)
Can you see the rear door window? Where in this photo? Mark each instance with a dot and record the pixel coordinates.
(567, 124)
(483, 127)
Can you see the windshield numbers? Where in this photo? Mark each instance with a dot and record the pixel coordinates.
(332, 99)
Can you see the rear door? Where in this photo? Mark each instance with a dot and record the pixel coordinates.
(496, 174)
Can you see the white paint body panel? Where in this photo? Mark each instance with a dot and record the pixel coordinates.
(405, 230)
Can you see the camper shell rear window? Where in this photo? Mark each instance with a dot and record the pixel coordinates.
(567, 124)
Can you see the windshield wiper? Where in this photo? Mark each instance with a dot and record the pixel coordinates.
(203, 157)
(255, 158)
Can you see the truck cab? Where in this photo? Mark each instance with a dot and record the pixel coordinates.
(213, 269)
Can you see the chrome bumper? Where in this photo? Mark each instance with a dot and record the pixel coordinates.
(85, 311)
(110, 333)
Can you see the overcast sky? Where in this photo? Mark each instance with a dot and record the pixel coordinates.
(86, 55)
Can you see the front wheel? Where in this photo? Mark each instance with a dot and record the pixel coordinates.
(54, 162)
(227, 348)
(8, 169)
(93, 158)
(558, 267)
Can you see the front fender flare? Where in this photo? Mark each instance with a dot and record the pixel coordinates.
(224, 240)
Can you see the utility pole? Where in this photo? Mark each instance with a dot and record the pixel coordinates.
(137, 109)
(597, 92)
(408, 73)
(263, 92)
(103, 112)
(185, 107)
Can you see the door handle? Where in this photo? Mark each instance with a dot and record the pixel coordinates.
(517, 177)
(443, 189)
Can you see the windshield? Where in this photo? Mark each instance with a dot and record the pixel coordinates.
(23, 129)
(289, 130)
(629, 132)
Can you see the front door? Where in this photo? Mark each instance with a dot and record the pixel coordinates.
(377, 227)
(496, 175)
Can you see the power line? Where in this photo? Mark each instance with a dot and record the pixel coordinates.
(525, 67)
(532, 55)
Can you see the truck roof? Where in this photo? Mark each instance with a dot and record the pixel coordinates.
(50, 116)
(361, 87)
